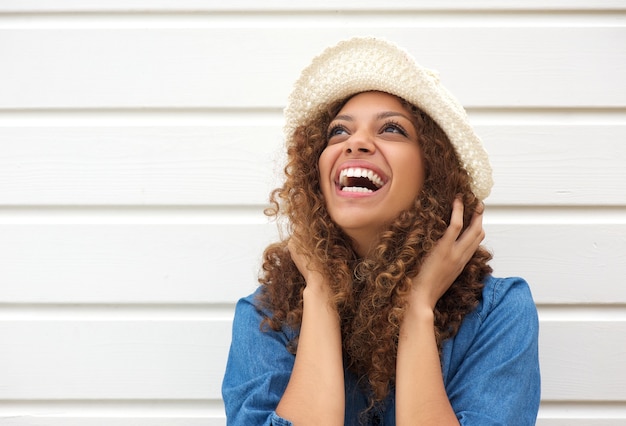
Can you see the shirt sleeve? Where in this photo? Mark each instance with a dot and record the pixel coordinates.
(496, 378)
(257, 372)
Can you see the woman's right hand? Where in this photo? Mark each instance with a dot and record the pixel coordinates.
(315, 394)
(309, 270)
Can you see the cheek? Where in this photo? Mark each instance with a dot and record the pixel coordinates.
(324, 165)
(414, 173)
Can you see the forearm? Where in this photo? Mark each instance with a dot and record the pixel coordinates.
(315, 394)
(420, 392)
(421, 397)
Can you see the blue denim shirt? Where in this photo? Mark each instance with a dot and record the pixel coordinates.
(490, 368)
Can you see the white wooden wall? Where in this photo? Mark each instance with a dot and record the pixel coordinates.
(137, 148)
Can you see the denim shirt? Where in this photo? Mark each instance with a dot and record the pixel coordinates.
(490, 368)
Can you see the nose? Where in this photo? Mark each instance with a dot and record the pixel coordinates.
(360, 142)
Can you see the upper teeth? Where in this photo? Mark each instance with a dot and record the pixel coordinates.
(359, 172)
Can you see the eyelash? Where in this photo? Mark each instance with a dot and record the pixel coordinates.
(396, 126)
(389, 124)
(332, 130)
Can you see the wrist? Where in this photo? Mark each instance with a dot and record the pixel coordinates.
(317, 293)
(417, 319)
(422, 312)
(419, 310)
(318, 302)
(421, 298)
(316, 286)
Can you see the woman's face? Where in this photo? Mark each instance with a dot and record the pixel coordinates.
(372, 167)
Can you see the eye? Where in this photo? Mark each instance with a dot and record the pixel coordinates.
(336, 130)
(393, 127)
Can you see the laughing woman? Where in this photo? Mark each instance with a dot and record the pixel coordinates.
(379, 307)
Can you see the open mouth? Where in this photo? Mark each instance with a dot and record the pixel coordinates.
(357, 179)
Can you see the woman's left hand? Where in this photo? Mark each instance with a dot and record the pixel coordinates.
(447, 260)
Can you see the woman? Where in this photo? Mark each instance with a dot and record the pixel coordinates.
(379, 307)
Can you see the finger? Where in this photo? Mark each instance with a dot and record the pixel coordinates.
(480, 208)
(456, 221)
(475, 227)
(291, 246)
(296, 253)
(472, 236)
(476, 224)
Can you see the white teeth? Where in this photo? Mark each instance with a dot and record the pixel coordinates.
(360, 172)
(355, 189)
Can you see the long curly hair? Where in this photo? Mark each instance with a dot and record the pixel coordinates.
(369, 293)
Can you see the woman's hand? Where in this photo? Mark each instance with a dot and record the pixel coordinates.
(447, 260)
(420, 392)
(311, 272)
(315, 394)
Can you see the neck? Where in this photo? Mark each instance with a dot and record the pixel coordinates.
(363, 241)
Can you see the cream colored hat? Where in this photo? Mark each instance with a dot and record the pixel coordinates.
(364, 64)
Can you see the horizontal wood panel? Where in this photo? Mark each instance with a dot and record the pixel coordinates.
(130, 263)
(587, 421)
(243, 6)
(237, 164)
(61, 420)
(77, 360)
(160, 67)
(563, 263)
(136, 264)
(138, 166)
(119, 360)
(145, 412)
(596, 413)
(582, 358)
(552, 165)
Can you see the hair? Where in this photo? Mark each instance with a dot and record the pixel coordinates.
(370, 294)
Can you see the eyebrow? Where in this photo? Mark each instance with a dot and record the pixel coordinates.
(381, 116)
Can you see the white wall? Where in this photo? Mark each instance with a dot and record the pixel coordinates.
(137, 145)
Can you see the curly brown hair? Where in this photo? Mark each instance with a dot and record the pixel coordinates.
(369, 293)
